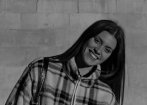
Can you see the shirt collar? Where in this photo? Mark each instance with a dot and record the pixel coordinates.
(73, 71)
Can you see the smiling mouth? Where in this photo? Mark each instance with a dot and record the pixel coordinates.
(93, 54)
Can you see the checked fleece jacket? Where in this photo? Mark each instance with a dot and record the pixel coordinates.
(64, 85)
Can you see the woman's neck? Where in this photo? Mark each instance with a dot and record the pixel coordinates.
(82, 66)
(80, 62)
(85, 70)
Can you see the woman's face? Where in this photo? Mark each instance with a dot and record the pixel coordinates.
(98, 48)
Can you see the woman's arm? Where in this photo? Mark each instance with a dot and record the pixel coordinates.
(25, 94)
(26, 86)
(113, 101)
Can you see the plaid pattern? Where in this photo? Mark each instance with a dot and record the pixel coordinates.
(64, 86)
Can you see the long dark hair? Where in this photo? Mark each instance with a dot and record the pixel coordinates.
(113, 69)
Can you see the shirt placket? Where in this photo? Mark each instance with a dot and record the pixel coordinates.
(73, 101)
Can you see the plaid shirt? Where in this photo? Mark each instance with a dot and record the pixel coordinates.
(65, 86)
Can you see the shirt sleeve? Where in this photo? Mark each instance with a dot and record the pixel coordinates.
(113, 101)
(29, 85)
(26, 86)
(25, 94)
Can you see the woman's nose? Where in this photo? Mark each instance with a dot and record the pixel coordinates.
(97, 51)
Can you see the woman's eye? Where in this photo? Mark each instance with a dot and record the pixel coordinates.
(96, 40)
(107, 51)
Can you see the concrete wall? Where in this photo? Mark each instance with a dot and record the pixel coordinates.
(36, 28)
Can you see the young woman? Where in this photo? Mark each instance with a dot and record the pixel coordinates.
(90, 72)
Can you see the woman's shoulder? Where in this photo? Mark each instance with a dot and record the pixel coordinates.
(50, 62)
(103, 86)
(36, 61)
(99, 83)
(39, 65)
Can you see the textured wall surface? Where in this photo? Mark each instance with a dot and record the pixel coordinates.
(36, 28)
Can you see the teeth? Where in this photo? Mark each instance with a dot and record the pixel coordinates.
(93, 55)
